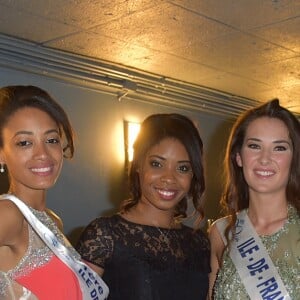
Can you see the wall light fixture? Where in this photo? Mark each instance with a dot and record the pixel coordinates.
(131, 130)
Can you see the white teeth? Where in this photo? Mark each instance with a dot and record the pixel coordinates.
(40, 170)
(166, 193)
(265, 173)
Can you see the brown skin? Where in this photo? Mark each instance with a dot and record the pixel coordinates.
(165, 177)
(33, 154)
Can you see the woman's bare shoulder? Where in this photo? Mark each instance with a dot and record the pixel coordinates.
(11, 222)
(215, 234)
(217, 224)
(56, 218)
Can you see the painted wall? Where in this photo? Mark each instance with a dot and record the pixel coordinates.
(94, 182)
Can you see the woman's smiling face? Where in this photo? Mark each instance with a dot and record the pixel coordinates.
(32, 149)
(266, 155)
(165, 175)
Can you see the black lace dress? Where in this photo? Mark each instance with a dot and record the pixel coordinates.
(144, 262)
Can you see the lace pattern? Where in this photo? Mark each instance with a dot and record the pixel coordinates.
(100, 237)
(143, 262)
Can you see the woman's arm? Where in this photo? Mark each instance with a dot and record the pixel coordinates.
(217, 248)
(95, 244)
(97, 269)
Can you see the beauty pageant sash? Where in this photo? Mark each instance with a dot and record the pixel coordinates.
(92, 285)
(252, 261)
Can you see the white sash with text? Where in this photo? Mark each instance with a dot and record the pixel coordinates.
(92, 285)
(253, 263)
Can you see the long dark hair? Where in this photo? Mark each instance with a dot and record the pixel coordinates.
(156, 128)
(236, 194)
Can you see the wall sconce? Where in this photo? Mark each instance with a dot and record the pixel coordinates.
(131, 130)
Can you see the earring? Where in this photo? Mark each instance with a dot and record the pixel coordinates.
(2, 170)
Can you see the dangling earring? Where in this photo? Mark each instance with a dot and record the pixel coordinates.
(2, 170)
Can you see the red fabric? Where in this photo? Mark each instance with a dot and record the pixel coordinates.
(52, 281)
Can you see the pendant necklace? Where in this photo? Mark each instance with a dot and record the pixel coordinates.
(163, 235)
(164, 232)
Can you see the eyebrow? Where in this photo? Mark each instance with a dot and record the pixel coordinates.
(162, 158)
(31, 133)
(275, 142)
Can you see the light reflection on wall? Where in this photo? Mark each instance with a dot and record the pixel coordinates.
(118, 142)
(130, 133)
(122, 139)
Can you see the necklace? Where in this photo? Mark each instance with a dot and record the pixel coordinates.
(164, 236)
(166, 231)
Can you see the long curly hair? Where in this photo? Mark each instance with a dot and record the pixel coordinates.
(154, 129)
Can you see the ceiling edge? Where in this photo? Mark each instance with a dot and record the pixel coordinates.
(119, 80)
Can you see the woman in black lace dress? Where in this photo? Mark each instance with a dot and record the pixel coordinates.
(145, 252)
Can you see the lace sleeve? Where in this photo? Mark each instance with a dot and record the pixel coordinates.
(95, 244)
